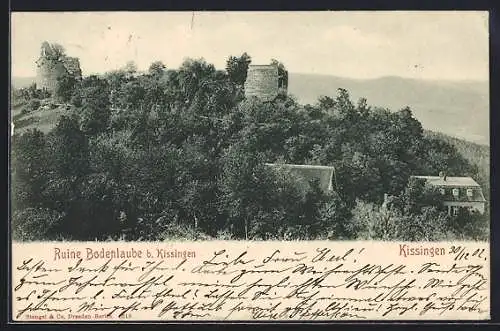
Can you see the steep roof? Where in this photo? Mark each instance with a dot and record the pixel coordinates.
(325, 174)
(450, 181)
(460, 183)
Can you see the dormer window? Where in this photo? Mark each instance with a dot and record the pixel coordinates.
(456, 192)
(470, 193)
(442, 191)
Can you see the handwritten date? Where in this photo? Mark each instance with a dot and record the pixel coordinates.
(269, 282)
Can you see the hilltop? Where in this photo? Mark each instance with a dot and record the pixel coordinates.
(181, 152)
(458, 109)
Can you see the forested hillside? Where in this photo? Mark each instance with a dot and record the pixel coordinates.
(180, 153)
(476, 154)
(458, 109)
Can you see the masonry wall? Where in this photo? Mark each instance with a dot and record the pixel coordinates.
(47, 74)
(262, 82)
(49, 71)
(72, 65)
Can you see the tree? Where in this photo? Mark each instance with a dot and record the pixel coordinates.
(36, 224)
(65, 87)
(30, 166)
(282, 73)
(335, 218)
(191, 76)
(32, 105)
(52, 52)
(94, 120)
(69, 148)
(417, 195)
(244, 188)
(181, 153)
(430, 224)
(96, 112)
(32, 91)
(130, 67)
(237, 68)
(374, 222)
(469, 225)
(156, 68)
(130, 95)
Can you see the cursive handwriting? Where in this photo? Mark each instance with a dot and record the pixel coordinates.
(284, 281)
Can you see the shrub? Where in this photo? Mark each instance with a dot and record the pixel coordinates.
(35, 224)
(34, 104)
(469, 225)
(181, 232)
(76, 100)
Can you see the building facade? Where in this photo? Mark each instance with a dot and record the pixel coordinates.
(458, 192)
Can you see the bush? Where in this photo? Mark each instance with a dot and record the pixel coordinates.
(34, 104)
(35, 224)
(429, 225)
(76, 100)
(470, 225)
(25, 110)
(174, 232)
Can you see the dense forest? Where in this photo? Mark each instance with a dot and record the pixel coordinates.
(180, 154)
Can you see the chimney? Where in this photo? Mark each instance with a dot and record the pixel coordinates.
(442, 175)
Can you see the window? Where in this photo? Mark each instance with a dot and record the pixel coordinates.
(454, 210)
(470, 193)
(455, 192)
(442, 191)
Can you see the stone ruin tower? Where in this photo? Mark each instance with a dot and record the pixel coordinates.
(53, 64)
(266, 82)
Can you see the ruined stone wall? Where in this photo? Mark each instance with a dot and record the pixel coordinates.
(47, 74)
(72, 65)
(51, 68)
(262, 82)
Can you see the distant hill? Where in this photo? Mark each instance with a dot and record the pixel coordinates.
(458, 109)
(19, 82)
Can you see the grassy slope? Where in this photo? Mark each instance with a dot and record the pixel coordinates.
(44, 120)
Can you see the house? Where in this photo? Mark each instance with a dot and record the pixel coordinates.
(458, 192)
(305, 173)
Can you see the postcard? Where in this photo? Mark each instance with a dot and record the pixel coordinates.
(249, 166)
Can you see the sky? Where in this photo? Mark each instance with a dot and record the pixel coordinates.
(363, 45)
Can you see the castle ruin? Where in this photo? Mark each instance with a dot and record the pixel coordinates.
(265, 82)
(53, 64)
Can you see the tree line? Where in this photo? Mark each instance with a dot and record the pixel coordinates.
(181, 153)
